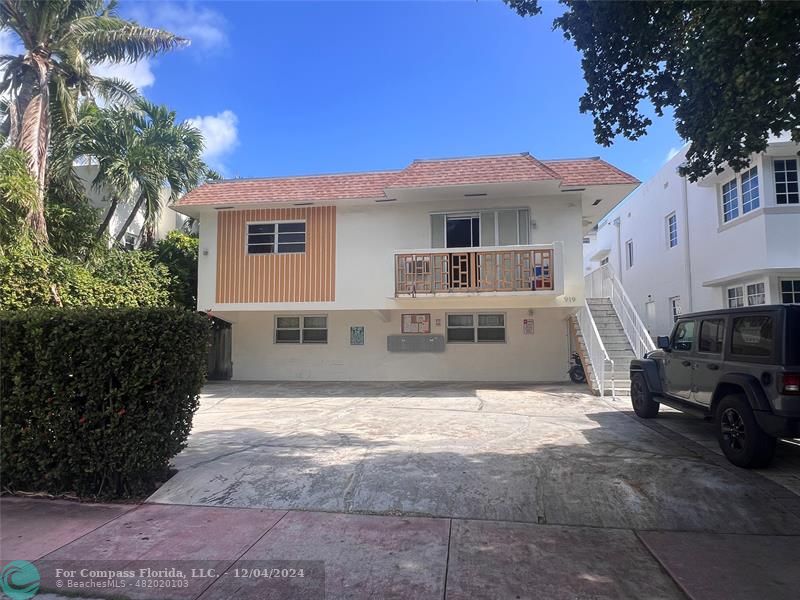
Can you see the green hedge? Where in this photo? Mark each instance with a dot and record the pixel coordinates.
(29, 278)
(97, 401)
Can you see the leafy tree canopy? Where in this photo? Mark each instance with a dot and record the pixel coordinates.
(730, 71)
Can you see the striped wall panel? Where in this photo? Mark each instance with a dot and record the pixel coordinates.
(308, 277)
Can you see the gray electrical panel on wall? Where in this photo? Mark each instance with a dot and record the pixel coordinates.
(415, 343)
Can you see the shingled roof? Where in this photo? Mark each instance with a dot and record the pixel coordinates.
(506, 168)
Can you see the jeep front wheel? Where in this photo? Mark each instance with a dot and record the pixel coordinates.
(642, 399)
(740, 438)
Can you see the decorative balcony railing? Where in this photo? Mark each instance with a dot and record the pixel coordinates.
(454, 270)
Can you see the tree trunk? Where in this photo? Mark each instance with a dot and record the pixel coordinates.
(31, 133)
(104, 225)
(129, 220)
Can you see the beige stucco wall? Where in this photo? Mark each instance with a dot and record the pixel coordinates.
(541, 357)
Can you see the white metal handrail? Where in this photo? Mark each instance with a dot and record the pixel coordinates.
(602, 283)
(600, 362)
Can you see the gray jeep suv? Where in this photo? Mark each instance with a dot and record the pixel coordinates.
(739, 367)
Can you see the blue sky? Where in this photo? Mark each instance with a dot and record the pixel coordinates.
(302, 87)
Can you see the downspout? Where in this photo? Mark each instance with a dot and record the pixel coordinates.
(687, 256)
(617, 224)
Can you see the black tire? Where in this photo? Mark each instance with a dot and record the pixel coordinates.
(742, 441)
(642, 399)
(577, 375)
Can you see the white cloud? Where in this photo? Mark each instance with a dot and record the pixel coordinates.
(671, 154)
(206, 28)
(220, 133)
(139, 73)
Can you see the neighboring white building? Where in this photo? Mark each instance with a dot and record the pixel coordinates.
(732, 239)
(100, 199)
(453, 269)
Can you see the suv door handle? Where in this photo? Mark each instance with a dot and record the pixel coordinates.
(713, 367)
(686, 363)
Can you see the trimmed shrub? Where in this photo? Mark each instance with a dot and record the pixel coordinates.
(97, 401)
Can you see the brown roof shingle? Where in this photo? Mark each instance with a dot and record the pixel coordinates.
(291, 189)
(588, 171)
(477, 170)
(420, 173)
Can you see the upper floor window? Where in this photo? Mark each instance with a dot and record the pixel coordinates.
(786, 191)
(750, 200)
(504, 227)
(276, 238)
(790, 291)
(730, 200)
(629, 254)
(672, 230)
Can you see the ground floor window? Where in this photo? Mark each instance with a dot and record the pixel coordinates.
(675, 305)
(755, 294)
(129, 242)
(790, 291)
(735, 297)
(480, 327)
(300, 329)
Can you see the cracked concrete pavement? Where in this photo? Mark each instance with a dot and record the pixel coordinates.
(537, 454)
(473, 491)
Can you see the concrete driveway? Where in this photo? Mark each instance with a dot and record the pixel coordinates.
(535, 454)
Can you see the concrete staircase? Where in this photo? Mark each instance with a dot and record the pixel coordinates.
(615, 341)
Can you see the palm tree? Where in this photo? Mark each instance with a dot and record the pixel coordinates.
(62, 39)
(140, 150)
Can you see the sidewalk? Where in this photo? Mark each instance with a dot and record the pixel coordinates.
(368, 556)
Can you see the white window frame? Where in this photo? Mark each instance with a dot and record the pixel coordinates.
(786, 194)
(276, 243)
(752, 292)
(129, 241)
(479, 214)
(732, 200)
(738, 296)
(743, 197)
(476, 326)
(672, 230)
(748, 184)
(629, 254)
(301, 327)
(794, 293)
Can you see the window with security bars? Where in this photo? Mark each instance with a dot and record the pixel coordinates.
(276, 238)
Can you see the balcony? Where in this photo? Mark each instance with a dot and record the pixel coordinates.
(474, 270)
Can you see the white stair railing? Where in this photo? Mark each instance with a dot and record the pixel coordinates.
(601, 364)
(602, 283)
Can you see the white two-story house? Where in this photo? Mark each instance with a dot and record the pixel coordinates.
(453, 269)
(729, 240)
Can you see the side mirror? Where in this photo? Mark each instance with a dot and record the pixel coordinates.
(662, 342)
